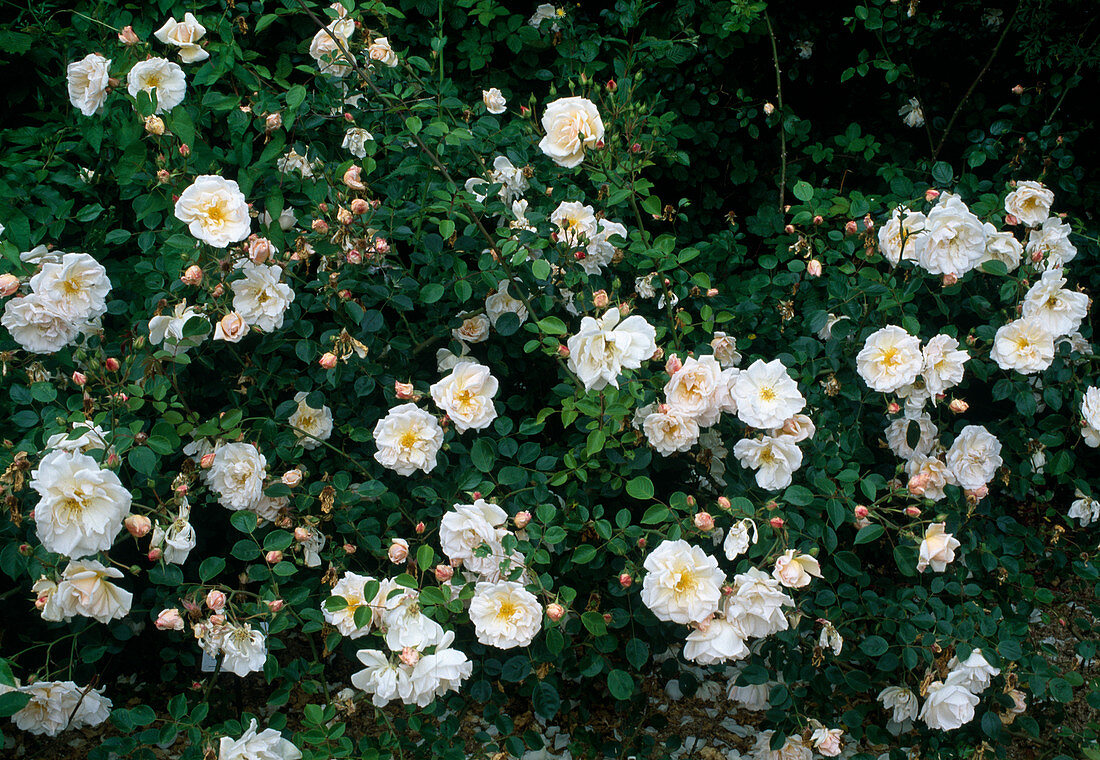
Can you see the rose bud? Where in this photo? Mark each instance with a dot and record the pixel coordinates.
(931, 194)
(724, 503)
(1017, 90)
(292, 478)
(1011, 220)
(343, 215)
(359, 207)
(350, 548)
(217, 620)
(789, 229)
(851, 228)
(580, 255)
(704, 521)
(154, 125)
(182, 489)
(862, 511)
(641, 542)
(320, 225)
(169, 619)
(129, 37)
(420, 528)
(918, 483)
(912, 511)
(352, 178)
(563, 351)
(818, 220)
(273, 557)
(272, 122)
(673, 365)
(625, 580)
(958, 406)
(381, 245)
(111, 364)
(444, 573)
(476, 495)
(154, 554)
(600, 145)
(813, 268)
(207, 461)
(215, 600)
(636, 148)
(404, 390)
(776, 522)
(185, 150)
(893, 407)
(79, 378)
(164, 176)
(599, 299)
(607, 618)
(218, 290)
(398, 551)
(9, 283)
(555, 611)
(353, 256)
(138, 525)
(192, 275)
(275, 605)
(975, 495)
(409, 656)
(522, 519)
(949, 280)
(260, 249)
(868, 222)
(328, 360)
(612, 85)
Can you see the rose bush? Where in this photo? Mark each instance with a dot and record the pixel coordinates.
(361, 362)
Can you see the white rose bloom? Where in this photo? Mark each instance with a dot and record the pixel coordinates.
(87, 81)
(955, 239)
(325, 48)
(902, 701)
(948, 705)
(185, 35)
(494, 101)
(315, 425)
(351, 587)
(84, 590)
(1030, 202)
(830, 637)
(757, 604)
(912, 115)
(474, 329)
(81, 507)
(753, 697)
(936, 475)
(1001, 246)
(466, 527)
(1023, 345)
(168, 330)
(1090, 416)
(407, 628)
(766, 396)
(937, 549)
(178, 539)
(91, 437)
(408, 440)
(644, 286)
(466, 395)
(797, 429)
(158, 74)
(542, 13)
(902, 237)
(572, 124)
(670, 431)
(238, 475)
(576, 223)
(723, 395)
(380, 678)
(505, 614)
(682, 583)
(795, 570)
(1058, 310)
(268, 744)
(890, 359)
(774, 459)
(741, 535)
(214, 210)
(974, 673)
(513, 182)
(293, 161)
(260, 298)
(793, 749)
(244, 649)
(601, 250)
(721, 640)
(725, 350)
(826, 332)
(36, 327)
(974, 457)
(55, 706)
(942, 366)
(1086, 510)
(436, 674)
(380, 51)
(693, 389)
(231, 328)
(1051, 243)
(355, 141)
(499, 303)
(75, 288)
(604, 347)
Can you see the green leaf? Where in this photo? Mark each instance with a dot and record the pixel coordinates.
(243, 520)
(942, 173)
(545, 699)
(142, 459)
(551, 325)
(431, 292)
(803, 191)
(12, 702)
(584, 554)
(641, 488)
(336, 603)
(637, 653)
(210, 568)
(446, 228)
(656, 514)
(414, 124)
(295, 96)
(425, 557)
(868, 533)
(800, 496)
(541, 269)
(594, 622)
(482, 455)
(43, 392)
(873, 646)
(620, 684)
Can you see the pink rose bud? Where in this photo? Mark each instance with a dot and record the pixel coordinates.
(1017, 90)
(690, 500)
(320, 226)
(476, 495)
(977, 494)
(169, 619)
(579, 255)
(163, 176)
(359, 207)
(862, 511)
(420, 528)
(260, 249)
(704, 521)
(625, 580)
(563, 351)
(813, 268)
(868, 222)
(301, 535)
(776, 522)
(350, 548)
(893, 407)
(522, 519)
(912, 511)
(444, 573)
(111, 364)
(555, 611)
(182, 489)
(673, 365)
(918, 483)
(1011, 220)
(216, 620)
(724, 503)
(275, 605)
(931, 194)
(292, 478)
(218, 290)
(410, 656)
(958, 406)
(663, 408)
(607, 618)
(154, 554)
(272, 122)
(79, 378)
(612, 85)
(712, 292)
(185, 150)
(403, 390)
(851, 227)
(771, 505)
(328, 360)
(323, 207)
(818, 220)
(113, 459)
(9, 283)
(192, 275)
(381, 244)
(129, 37)
(641, 542)
(789, 229)
(599, 299)
(636, 148)
(353, 256)
(600, 145)
(657, 355)
(138, 525)
(273, 557)
(949, 280)
(215, 600)
(352, 178)
(398, 551)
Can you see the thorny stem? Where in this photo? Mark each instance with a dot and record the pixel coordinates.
(782, 125)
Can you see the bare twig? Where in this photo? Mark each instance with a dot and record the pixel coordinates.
(782, 124)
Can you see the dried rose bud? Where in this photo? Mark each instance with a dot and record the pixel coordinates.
(169, 619)
(292, 478)
(218, 291)
(353, 179)
(343, 215)
(359, 207)
(138, 525)
(789, 229)
(192, 275)
(851, 227)
(164, 176)
(301, 535)
(272, 122)
(320, 226)
(353, 257)
(444, 573)
(328, 360)
(862, 511)
(918, 483)
(404, 390)
(154, 125)
(409, 656)
(273, 557)
(958, 406)
(818, 220)
(769, 109)
(522, 519)
(350, 548)
(185, 150)
(215, 600)
(949, 280)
